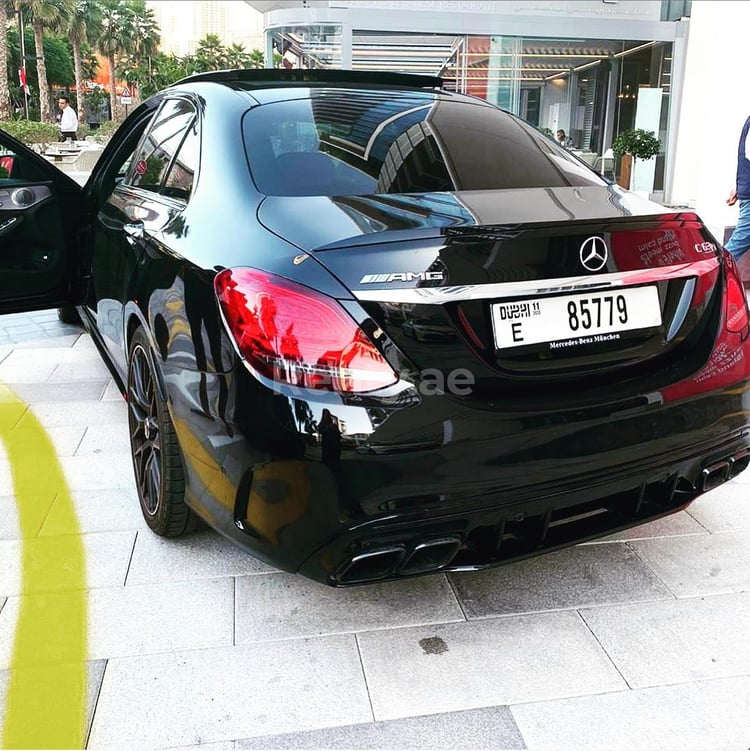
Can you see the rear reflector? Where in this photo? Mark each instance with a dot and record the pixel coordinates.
(736, 305)
(294, 335)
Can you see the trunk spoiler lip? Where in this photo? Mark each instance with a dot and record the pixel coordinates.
(349, 221)
(537, 287)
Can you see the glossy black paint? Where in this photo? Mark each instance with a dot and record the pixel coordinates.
(538, 454)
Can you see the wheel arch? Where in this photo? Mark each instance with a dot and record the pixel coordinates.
(134, 319)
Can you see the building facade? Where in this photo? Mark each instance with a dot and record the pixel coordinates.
(183, 23)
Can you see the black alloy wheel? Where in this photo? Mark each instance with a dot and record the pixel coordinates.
(156, 456)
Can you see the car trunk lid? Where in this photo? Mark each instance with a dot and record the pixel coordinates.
(520, 284)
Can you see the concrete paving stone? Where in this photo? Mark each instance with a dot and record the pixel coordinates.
(699, 564)
(85, 343)
(62, 340)
(99, 471)
(25, 373)
(208, 695)
(674, 525)
(55, 414)
(97, 511)
(83, 371)
(11, 318)
(489, 728)
(45, 315)
(724, 509)
(9, 526)
(94, 675)
(284, 606)
(104, 439)
(107, 555)
(6, 477)
(679, 640)
(112, 392)
(57, 327)
(34, 393)
(685, 717)
(147, 619)
(204, 554)
(221, 746)
(39, 356)
(430, 669)
(25, 327)
(66, 439)
(572, 578)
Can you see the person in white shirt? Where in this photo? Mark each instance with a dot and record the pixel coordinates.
(68, 120)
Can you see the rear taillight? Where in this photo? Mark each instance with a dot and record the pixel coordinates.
(736, 301)
(294, 335)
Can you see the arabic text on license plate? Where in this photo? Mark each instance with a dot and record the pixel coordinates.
(575, 319)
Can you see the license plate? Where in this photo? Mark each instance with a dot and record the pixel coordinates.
(573, 320)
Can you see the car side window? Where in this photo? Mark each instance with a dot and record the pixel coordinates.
(179, 180)
(160, 144)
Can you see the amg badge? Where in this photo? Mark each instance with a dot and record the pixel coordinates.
(403, 276)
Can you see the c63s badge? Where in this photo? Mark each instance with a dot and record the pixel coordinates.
(403, 276)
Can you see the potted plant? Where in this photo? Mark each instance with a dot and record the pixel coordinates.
(631, 145)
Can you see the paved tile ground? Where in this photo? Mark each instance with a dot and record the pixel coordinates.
(638, 641)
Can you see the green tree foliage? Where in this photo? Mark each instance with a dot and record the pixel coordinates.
(28, 131)
(84, 26)
(5, 105)
(125, 32)
(59, 65)
(639, 143)
(51, 16)
(211, 53)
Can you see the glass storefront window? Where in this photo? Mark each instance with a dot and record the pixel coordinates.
(315, 46)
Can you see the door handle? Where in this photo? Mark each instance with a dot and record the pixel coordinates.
(134, 231)
(8, 224)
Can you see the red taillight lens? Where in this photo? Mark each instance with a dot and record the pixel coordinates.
(736, 302)
(297, 336)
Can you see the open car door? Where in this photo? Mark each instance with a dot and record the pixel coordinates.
(42, 226)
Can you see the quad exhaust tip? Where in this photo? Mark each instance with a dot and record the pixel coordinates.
(395, 561)
(719, 472)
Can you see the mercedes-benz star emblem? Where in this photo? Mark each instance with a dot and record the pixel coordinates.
(593, 253)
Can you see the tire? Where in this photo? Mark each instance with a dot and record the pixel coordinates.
(157, 462)
(68, 314)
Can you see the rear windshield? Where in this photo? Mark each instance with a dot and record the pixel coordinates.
(346, 142)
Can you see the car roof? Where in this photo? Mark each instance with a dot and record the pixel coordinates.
(261, 78)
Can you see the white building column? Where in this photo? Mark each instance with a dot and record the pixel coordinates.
(346, 46)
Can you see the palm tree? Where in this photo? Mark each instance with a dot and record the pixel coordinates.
(85, 26)
(114, 39)
(4, 88)
(52, 15)
(255, 59)
(237, 56)
(144, 37)
(211, 52)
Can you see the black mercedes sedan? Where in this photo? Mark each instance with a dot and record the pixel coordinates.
(368, 328)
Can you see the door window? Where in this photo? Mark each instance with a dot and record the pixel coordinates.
(160, 144)
(179, 180)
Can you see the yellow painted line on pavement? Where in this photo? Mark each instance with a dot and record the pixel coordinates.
(46, 697)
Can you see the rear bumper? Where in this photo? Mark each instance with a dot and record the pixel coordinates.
(394, 547)
(440, 485)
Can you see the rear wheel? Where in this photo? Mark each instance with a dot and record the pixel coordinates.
(157, 462)
(68, 314)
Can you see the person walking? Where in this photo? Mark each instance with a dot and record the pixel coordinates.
(739, 242)
(68, 120)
